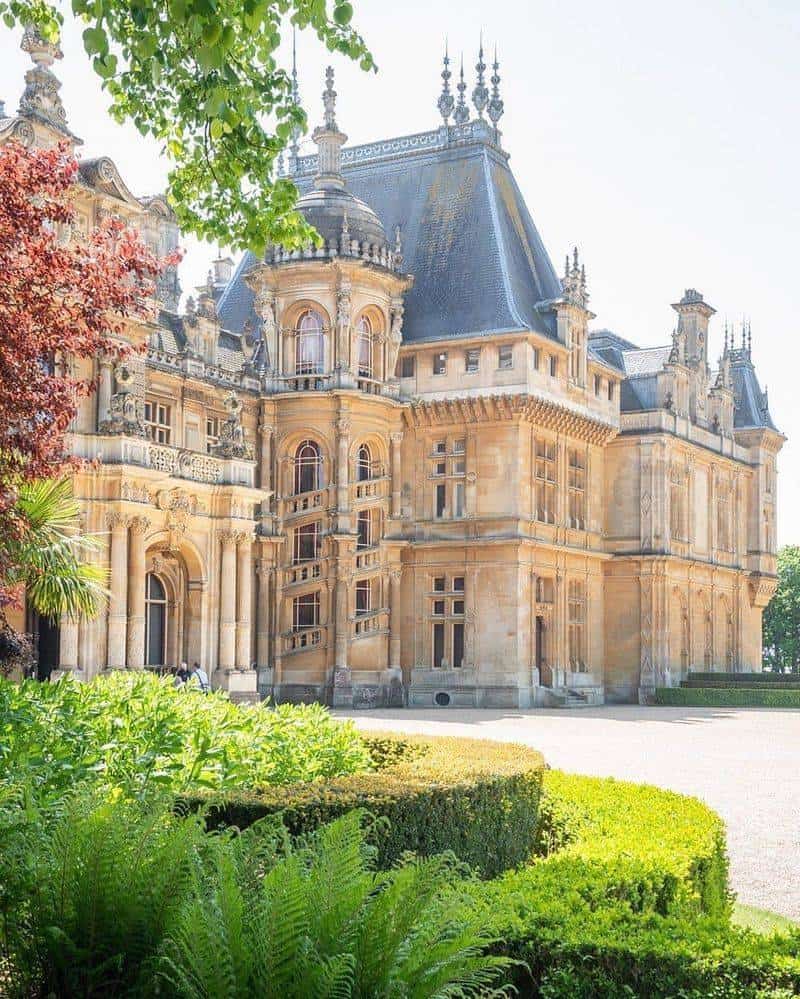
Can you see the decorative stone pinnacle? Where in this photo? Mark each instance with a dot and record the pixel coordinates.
(329, 101)
(480, 95)
(294, 148)
(446, 101)
(461, 114)
(41, 96)
(496, 106)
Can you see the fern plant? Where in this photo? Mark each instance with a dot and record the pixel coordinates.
(322, 924)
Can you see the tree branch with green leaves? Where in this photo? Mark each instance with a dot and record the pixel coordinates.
(203, 78)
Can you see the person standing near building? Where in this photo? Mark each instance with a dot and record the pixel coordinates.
(200, 677)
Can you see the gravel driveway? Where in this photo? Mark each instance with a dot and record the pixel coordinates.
(742, 762)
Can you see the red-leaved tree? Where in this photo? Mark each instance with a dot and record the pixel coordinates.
(60, 299)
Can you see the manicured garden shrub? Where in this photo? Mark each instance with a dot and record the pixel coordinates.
(135, 730)
(728, 697)
(477, 799)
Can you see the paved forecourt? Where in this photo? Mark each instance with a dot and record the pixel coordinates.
(744, 762)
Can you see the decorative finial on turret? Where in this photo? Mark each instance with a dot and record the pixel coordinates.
(566, 266)
(329, 140)
(446, 101)
(344, 242)
(294, 148)
(496, 105)
(575, 258)
(41, 96)
(480, 95)
(749, 339)
(398, 248)
(461, 114)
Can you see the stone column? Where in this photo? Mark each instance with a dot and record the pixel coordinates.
(265, 479)
(342, 624)
(343, 472)
(104, 387)
(227, 602)
(244, 599)
(118, 586)
(136, 594)
(263, 570)
(396, 473)
(395, 577)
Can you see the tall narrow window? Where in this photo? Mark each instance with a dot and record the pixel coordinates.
(440, 364)
(363, 596)
(677, 504)
(438, 645)
(576, 625)
(307, 467)
(505, 357)
(309, 350)
(577, 489)
(364, 347)
(306, 543)
(155, 621)
(364, 463)
(546, 481)
(407, 366)
(364, 529)
(458, 499)
(724, 517)
(212, 432)
(472, 360)
(441, 494)
(553, 366)
(305, 611)
(458, 644)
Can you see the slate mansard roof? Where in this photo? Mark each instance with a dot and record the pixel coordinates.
(468, 239)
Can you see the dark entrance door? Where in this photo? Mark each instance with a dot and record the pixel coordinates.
(46, 641)
(544, 673)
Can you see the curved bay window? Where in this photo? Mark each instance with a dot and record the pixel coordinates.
(309, 344)
(155, 621)
(364, 347)
(307, 468)
(364, 463)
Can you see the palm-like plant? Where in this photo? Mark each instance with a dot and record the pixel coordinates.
(42, 550)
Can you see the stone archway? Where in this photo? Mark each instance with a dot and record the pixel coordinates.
(180, 570)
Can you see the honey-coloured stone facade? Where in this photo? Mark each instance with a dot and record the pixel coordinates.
(399, 466)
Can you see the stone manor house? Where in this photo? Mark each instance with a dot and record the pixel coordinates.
(403, 465)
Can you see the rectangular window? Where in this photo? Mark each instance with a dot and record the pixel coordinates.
(678, 490)
(460, 445)
(458, 500)
(536, 358)
(577, 489)
(305, 611)
(576, 625)
(553, 366)
(212, 432)
(438, 584)
(460, 466)
(546, 481)
(440, 468)
(458, 644)
(158, 422)
(458, 606)
(597, 385)
(363, 596)
(440, 499)
(472, 360)
(407, 366)
(505, 357)
(306, 543)
(610, 391)
(438, 644)
(458, 584)
(438, 608)
(440, 447)
(364, 527)
(440, 363)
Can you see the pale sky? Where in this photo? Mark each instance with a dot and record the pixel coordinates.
(662, 139)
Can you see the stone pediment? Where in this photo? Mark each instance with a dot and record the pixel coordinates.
(102, 176)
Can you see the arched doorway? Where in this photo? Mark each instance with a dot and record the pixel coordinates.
(155, 621)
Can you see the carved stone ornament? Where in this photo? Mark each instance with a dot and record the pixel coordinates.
(126, 411)
(232, 442)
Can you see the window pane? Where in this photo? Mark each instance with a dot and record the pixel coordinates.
(458, 644)
(440, 499)
(438, 608)
(438, 584)
(407, 367)
(472, 360)
(458, 584)
(438, 644)
(439, 364)
(505, 357)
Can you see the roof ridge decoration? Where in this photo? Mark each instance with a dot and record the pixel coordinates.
(496, 106)
(446, 101)
(480, 93)
(461, 116)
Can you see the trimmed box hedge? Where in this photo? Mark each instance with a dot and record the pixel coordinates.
(727, 697)
(632, 900)
(478, 799)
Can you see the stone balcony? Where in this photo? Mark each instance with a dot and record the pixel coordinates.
(174, 462)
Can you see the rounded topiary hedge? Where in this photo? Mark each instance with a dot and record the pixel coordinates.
(478, 799)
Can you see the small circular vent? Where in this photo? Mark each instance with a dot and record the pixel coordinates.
(442, 699)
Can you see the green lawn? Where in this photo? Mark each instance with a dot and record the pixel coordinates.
(761, 920)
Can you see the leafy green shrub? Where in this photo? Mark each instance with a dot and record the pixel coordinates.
(631, 902)
(136, 731)
(727, 697)
(134, 900)
(478, 799)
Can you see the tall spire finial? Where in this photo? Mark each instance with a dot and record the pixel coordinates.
(446, 101)
(294, 147)
(749, 339)
(329, 140)
(41, 96)
(480, 95)
(461, 115)
(496, 106)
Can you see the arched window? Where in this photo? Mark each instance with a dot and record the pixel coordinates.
(309, 344)
(155, 621)
(364, 464)
(364, 347)
(307, 468)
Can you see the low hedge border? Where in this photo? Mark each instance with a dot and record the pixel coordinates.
(726, 697)
(476, 798)
(632, 901)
